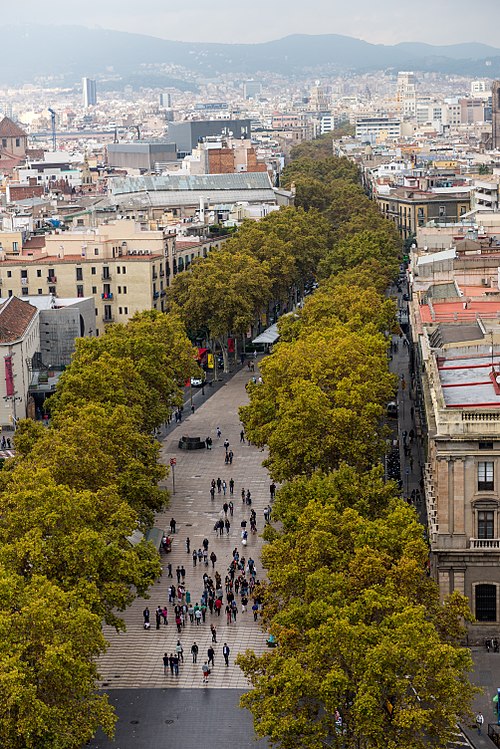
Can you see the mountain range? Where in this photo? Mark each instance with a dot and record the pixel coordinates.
(65, 53)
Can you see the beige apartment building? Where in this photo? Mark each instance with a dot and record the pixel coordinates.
(125, 267)
(122, 267)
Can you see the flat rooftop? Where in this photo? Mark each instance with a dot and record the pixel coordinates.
(466, 382)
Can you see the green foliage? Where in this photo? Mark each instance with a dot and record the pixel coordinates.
(360, 628)
(320, 402)
(49, 642)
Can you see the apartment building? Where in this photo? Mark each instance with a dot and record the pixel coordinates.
(411, 208)
(124, 268)
(454, 315)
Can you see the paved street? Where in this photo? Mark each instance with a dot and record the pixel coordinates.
(134, 659)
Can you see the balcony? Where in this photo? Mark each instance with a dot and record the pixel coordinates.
(51, 279)
(106, 276)
(484, 543)
(108, 318)
(24, 282)
(156, 294)
(155, 276)
(162, 273)
(108, 296)
(162, 293)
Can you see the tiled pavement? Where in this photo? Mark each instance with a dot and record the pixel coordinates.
(134, 658)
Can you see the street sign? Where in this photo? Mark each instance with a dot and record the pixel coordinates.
(173, 461)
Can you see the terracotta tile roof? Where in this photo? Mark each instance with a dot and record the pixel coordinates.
(9, 129)
(15, 317)
(34, 243)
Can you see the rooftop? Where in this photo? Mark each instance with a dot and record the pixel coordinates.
(15, 318)
(9, 129)
(468, 381)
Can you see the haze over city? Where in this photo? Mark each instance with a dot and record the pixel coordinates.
(380, 22)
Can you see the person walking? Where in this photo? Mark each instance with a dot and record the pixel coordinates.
(188, 545)
(195, 557)
(225, 653)
(272, 490)
(172, 526)
(171, 663)
(213, 559)
(206, 672)
(219, 485)
(227, 525)
(242, 436)
(180, 651)
(165, 663)
(211, 654)
(230, 456)
(213, 630)
(231, 486)
(231, 508)
(224, 487)
(158, 617)
(218, 431)
(479, 722)
(145, 615)
(194, 651)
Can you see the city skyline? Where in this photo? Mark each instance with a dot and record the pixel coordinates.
(373, 22)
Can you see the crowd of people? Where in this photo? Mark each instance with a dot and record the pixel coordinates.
(224, 599)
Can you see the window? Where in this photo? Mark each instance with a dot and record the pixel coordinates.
(125, 309)
(119, 289)
(15, 246)
(94, 289)
(124, 289)
(25, 291)
(24, 274)
(52, 289)
(485, 476)
(93, 270)
(486, 603)
(79, 290)
(442, 211)
(485, 524)
(9, 274)
(39, 273)
(40, 291)
(124, 270)
(120, 311)
(10, 292)
(485, 445)
(18, 142)
(118, 269)
(96, 250)
(4, 142)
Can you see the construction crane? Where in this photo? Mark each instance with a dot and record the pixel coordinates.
(53, 127)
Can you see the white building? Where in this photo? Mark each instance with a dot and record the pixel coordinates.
(89, 92)
(377, 129)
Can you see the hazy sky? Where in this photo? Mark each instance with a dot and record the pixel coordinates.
(380, 21)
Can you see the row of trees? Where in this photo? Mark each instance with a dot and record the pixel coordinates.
(261, 269)
(68, 503)
(367, 655)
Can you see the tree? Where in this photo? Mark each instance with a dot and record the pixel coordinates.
(142, 365)
(76, 538)
(363, 246)
(320, 402)
(362, 657)
(222, 293)
(49, 642)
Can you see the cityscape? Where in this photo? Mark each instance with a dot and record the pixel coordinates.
(250, 396)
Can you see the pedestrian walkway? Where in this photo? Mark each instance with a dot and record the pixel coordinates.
(134, 658)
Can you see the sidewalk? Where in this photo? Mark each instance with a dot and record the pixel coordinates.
(134, 659)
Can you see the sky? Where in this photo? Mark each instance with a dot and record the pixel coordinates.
(377, 21)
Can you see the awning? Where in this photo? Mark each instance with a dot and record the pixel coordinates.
(270, 335)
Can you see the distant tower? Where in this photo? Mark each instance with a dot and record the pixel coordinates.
(407, 93)
(165, 100)
(495, 114)
(89, 91)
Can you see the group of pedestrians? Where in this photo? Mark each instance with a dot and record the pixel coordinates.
(218, 598)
